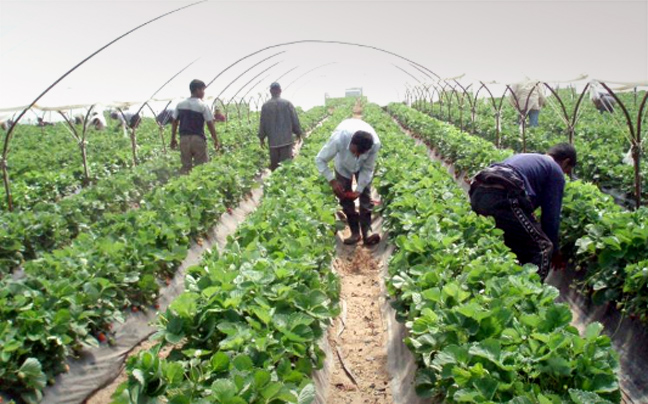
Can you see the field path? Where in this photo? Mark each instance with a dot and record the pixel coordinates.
(359, 343)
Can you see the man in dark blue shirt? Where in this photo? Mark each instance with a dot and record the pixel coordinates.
(512, 190)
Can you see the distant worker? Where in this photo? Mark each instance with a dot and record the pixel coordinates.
(190, 116)
(278, 123)
(602, 100)
(218, 115)
(40, 122)
(95, 120)
(165, 117)
(512, 190)
(529, 99)
(354, 145)
(126, 119)
(5, 125)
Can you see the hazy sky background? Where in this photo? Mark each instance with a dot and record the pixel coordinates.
(489, 40)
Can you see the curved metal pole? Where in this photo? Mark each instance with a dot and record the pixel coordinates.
(160, 125)
(318, 41)
(426, 74)
(308, 72)
(438, 92)
(285, 74)
(406, 72)
(635, 138)
(523, 114)
(164, 85)
(569, 121)
(636, 151)
(498, 111)
(307, 83)
(461, 102)
(256, 84)
(253, 78)
(244, 72)
(8, 135)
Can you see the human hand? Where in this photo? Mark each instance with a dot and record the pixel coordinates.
(174, 144)
(351, 195)
(558, 262)
(338, 189)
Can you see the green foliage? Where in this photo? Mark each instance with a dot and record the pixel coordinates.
(246, 329)
(71, 295)
(483, 329)
(596, 234)
(602, 138)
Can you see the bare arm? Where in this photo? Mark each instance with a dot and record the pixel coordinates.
(174, 132)
(212, 130)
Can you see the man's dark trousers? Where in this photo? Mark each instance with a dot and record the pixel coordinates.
(513, 214)
(356, 220)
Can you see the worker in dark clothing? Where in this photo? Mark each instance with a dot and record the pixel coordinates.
(278, 123)
(604, 102)
(512, 190)
(165, 117)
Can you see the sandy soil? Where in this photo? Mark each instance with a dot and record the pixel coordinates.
(362, 342)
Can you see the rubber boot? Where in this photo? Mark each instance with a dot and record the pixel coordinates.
(355, 231)
(369, 239)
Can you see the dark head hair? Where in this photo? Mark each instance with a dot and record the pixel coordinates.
(196, 85)
(562, 152)
(363, 141)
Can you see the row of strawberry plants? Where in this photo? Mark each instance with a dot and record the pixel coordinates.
(24, 235)
(247, 327)
(69, 297)
(57, 171)
(483, 329)
(602, 137)
(607, 241)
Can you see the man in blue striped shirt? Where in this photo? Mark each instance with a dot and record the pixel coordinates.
(190, 116)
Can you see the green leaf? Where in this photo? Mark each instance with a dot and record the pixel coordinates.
(593, 330)
(220, 362)
(586, 397)
(487, 386)
(224, 390)
(243, 363)
(31, 373)
(306, 395)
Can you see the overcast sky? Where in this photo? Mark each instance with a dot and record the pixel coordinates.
(488, 40)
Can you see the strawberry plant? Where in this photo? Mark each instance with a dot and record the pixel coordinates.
(246, 330)
(483, 329)
(596, 234)
(69, 295)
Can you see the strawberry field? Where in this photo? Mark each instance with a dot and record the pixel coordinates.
(81, 257)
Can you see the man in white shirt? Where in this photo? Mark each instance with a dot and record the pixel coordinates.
(354, 145)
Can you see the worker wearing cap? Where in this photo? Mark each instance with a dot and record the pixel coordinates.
(278, 123)
(354, 145)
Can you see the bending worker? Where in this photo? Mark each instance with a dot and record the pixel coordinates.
(354, 145)
(528, 99)
(512, 190)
